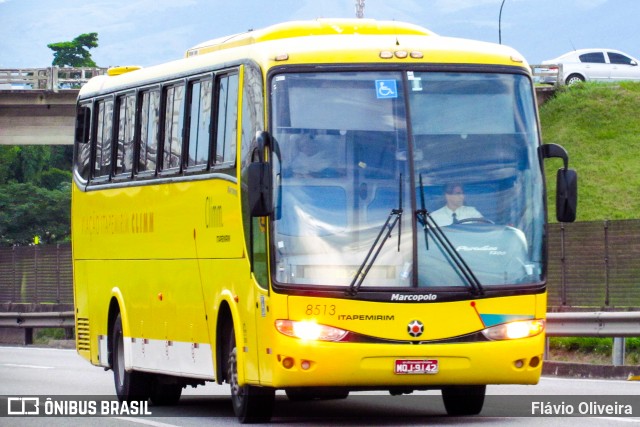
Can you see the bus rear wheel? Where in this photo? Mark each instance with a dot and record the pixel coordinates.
(464, 400)
(130, 385)
(251, 404)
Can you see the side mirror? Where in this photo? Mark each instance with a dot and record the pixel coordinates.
(260, 184)
(259, 178)
(566, 195)
(566, 183)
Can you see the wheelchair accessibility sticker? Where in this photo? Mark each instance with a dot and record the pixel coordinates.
(386, 89)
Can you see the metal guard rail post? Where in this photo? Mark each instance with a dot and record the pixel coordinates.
(29, 321)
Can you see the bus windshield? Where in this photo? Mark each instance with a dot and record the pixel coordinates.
(450, 157)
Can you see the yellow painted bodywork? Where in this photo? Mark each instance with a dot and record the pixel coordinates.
(170, 253)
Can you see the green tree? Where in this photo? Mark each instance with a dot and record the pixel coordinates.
(8, 163)
(27, 211)
(35, 193)
(76, 52)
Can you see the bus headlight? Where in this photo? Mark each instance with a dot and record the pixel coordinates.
(309, 330)
(515, 330)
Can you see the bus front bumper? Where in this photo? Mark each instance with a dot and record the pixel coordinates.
(298, 364)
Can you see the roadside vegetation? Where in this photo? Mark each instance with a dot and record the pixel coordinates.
(599, 125)
(35, 194)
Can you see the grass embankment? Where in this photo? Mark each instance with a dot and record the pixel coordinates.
(599, 125)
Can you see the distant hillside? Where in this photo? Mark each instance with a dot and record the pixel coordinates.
(599, 125)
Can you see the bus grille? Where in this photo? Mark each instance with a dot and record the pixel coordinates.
(83, 342)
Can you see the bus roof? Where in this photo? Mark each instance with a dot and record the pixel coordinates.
(322, 41)
(318, 27)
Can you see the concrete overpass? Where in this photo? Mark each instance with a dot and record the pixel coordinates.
(37, 117)
(37, 105)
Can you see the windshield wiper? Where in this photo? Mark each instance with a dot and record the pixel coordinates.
(427, 222)
(394, 217)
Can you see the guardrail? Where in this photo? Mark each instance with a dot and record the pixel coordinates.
(30, 321)
(597, 324)
(49, 78)
(594, 324)
(573, 324)
(547, 74)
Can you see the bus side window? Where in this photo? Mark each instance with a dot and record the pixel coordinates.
(149, 124)
(126, 106)
(173, 125)
(83, 141)
(102, 165)
(200, 95)
(227, 120)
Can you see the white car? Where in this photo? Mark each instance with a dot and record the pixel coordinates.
(600, 65)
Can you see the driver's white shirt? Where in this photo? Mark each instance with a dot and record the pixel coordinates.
(444, 215)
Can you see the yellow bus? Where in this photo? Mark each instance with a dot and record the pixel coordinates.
(274, 212)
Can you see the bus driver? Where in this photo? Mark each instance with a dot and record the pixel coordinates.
(454, 210)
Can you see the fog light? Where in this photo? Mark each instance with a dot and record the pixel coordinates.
(288, 363)
(534, 362)
(305, 365)
(519, 363)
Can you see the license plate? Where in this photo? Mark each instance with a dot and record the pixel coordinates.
(416, 367)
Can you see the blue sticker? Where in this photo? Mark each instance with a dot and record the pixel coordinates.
(386, 89)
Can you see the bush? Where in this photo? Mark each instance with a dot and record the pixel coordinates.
(600, 346)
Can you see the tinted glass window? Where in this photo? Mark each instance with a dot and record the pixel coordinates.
(173, 123)
(200, 113)
(103, 138)
(616, 58)
(597, 57)
(83, 141)
(227, 117)
(126, 132)
(149, 121)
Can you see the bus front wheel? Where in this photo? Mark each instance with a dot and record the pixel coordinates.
(130, 385)
(464, 400)
(251, 404)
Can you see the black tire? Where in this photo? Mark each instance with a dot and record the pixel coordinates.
(574, 79)
(251, 404)
(163, 394)
(464, 400)
(131, 385)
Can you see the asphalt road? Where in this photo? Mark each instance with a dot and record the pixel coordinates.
(45, 372)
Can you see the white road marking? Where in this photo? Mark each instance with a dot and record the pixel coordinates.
(14, 365)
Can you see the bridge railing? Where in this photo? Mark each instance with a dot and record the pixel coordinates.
(547, 74)
(49, 78)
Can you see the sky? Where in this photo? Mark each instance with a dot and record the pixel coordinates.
(148, 32)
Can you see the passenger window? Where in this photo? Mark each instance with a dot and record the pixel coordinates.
(102, 165)
(149, 123)
(227, 119)
(593, 57)
(83, 141)
(616, 58)
(173, 124)
(126, 132)
(200, 122)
